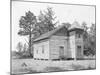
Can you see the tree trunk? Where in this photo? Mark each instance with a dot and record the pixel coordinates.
(30, 47)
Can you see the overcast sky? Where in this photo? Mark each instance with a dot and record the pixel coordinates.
(64, 13)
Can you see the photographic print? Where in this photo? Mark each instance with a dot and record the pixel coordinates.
(52, 37)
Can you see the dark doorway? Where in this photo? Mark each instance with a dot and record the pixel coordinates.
(79, 51)
(61, 52)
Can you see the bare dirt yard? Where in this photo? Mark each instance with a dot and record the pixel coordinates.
(36, 66)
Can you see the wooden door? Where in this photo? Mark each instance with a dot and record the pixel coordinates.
(61, 52)
(79, 51)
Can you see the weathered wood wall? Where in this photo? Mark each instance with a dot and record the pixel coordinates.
(55, 43)
(52, 45)
(72, 44)
(79, 42)
(41, 50)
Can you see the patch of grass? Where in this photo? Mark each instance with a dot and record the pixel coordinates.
(25, 71)
(77, 67)
(53, 69)
(90, 68)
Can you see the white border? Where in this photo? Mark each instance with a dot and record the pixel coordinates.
(5, 37)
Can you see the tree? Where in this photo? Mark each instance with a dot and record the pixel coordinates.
(27, 24)
(93, 30)
(85, 35)
(89, 39)
(19, 47)
(25, 48)
(46, 21)
(92, 34)
(86, 39)
(84, 25)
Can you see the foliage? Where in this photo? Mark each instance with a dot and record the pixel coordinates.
(93, 30)
(89, 39)
(22, 51)
(46, 21)
(27, 24)
(33, 27)
(92, 38)
(84, 25)
(19, 47)
(85, 33)
(25, 48)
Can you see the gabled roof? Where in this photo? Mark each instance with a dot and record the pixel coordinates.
(48, 34)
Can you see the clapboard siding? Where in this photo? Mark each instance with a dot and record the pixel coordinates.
(59, 42)
(79, 42)
(55, 43)
(41, 50)
(72, 46)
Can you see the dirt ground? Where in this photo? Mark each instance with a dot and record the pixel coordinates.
(36, 66)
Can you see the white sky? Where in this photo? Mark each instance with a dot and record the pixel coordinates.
(64, 13)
